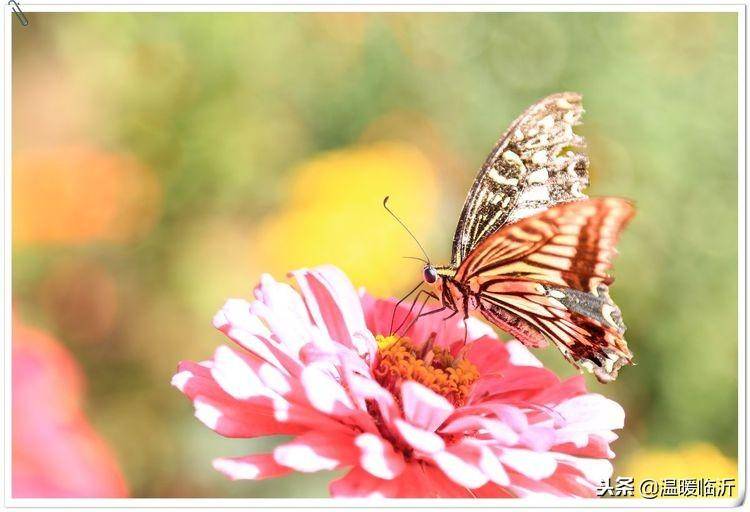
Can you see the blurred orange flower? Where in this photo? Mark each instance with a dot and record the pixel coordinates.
(74, 195)
(56, 452)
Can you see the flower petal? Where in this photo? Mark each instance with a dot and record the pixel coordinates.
(285, 311)
(314, 451)
(244, 328)
(488, 354)
(594, 470)
(535, 465)
(224, 414)
(378, 457)
(441, 485)
(499, 431)
(332, 301)
(520, 355)
(591, 413)
(490, 464)
(478, 329)
(568, 481)
(419, 439)
(539, 438)
(492, 490)
(195, 379)
(365, 390)
(250, 467)
(513, 379)
(244, 421)
(510, 415)
(423, 407)
(358, 483)
(455, 465)
(565, 390)
(325, 393)
(235, 375)
(596, 447)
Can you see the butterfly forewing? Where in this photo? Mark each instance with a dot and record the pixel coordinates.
(547, 274)
(569, 245)
(532, 167)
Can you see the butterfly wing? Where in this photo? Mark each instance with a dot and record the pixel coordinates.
(530, 168)
(547, 274)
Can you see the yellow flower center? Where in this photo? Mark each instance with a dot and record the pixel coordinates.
(434, 367)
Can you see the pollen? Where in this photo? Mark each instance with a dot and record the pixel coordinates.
(434, 367)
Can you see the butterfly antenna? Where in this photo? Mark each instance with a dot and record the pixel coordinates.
(385, 205)
(415, 258)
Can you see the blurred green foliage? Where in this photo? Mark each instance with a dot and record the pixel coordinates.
(220, 107)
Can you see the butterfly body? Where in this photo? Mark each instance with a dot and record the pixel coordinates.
(466, 299)
(531, 251)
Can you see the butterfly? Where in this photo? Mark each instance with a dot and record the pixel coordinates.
(531, 251)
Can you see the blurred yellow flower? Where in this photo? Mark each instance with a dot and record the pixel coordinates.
(76, 195)
(333, 214)
(699, 460)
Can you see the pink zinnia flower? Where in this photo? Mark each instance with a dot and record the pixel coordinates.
(56, 451)
(424, 415)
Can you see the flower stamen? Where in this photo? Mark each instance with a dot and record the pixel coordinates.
(432, 366)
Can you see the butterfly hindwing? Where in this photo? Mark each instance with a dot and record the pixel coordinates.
(548, 273)
(588, 339)
(530, 168)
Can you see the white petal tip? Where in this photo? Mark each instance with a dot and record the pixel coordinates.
(180, 379)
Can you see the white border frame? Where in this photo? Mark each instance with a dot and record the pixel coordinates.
(339, 6)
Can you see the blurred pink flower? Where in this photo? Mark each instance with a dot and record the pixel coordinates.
(56, 452)
(420, 416)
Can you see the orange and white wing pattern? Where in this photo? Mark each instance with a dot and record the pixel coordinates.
(548, 273)
(586, 327)
(569, 245)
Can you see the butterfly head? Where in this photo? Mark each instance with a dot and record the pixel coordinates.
(429, 274)
(436, 278)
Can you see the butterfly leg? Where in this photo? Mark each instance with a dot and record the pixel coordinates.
(419, 312)
(466, 331)
(454, 312)
(411, 308)
(402, 299)
(466, 317)
(422, 315)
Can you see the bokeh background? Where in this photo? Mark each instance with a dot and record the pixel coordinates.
(162, 162)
